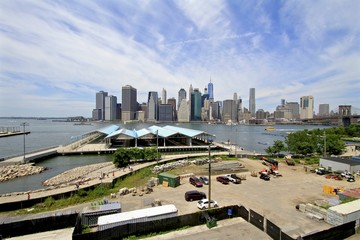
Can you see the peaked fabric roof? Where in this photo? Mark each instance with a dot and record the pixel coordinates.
(166, 131)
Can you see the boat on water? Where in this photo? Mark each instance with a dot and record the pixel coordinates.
(82, 124)
(270, 129)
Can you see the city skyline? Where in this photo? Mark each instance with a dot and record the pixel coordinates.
(54, 56)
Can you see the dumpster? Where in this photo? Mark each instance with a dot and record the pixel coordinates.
(167, 179)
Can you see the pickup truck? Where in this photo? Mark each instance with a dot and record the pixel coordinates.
(233, 178)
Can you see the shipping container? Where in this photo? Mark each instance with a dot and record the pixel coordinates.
(90, 215)
(169, 179)
(141, 215)
(344, 213)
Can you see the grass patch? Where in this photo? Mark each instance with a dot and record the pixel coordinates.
(346, 200)
(137, 179)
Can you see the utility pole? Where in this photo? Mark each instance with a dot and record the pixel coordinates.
(24, 124)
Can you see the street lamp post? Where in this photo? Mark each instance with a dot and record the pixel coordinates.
(157, 146)
(210, 140)
(324, 143)
(24, 124)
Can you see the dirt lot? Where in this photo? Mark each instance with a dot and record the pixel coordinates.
(275, 199)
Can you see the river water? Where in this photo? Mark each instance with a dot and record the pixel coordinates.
(47, 133)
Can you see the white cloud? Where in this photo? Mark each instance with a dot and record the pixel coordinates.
(59, 55)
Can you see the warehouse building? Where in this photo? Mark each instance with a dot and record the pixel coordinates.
(337, 164)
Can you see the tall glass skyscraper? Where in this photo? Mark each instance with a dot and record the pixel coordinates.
(196, 105)
(211, 91)
(252, 106)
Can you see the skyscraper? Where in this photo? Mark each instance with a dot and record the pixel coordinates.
(211, 91)
(252, 106)
(110, 108)
(153, 106)
(306, 107)
(163, 96)
(100, 104)
(181, 96)
(129, 103)
(196, 105)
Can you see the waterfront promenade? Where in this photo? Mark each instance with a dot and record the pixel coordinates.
(111, 173)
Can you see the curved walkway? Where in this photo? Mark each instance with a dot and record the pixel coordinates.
(19, 197)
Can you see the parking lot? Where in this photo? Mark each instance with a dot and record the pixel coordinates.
(275, 199)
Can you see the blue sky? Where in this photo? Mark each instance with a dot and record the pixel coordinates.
(55, 55)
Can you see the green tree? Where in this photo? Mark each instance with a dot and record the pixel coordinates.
(302, 142)
(121, 158)
(276, 148)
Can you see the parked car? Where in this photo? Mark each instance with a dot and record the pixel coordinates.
(195, 181)
(351, 179)
(358, 173)
(204, 203)
(222, 179)
(194, 195)
(264, 177)
(320, 171)
(233, 178)
(204, 180)
(336, 177)
(347, 174)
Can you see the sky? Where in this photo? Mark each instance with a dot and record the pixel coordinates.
(55, 55)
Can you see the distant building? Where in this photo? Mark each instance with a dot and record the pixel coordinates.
(100, 103)
(184, 111)
(110, 108)
(261, 114)
(153, 106)
(196, 105)
(211, 91)
(306, 107)
(214, 111)
(252, 104)
(96, 114)
(172, 102)
(165, 112)
(129, 103)
(229, 112)
(294, 108)
(181, 96)
(163, 96)
(324, 110)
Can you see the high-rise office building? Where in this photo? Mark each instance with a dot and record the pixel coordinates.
(324, 110)
(110, 108)
(129, 103)
(196, 105)
(211, 91)
(172, 101)
(163, 96)
(183, 111)
(100, 104)
(181, 96)
(294, 108)
(306, 107)
(166, 112)
(252, 105)
(229, 113)
(153, 106)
